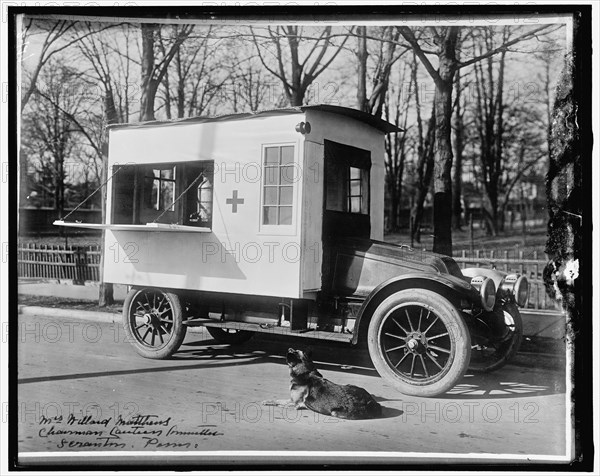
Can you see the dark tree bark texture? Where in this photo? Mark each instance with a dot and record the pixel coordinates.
(563, 189)
(442, 200)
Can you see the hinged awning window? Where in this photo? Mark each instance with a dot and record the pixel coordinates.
(146, 227)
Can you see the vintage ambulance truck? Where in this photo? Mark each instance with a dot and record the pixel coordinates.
(273, 222)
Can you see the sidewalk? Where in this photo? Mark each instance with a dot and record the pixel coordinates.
(70, 291)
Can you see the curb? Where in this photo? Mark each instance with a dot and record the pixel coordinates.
(94, 316)
(109, 317)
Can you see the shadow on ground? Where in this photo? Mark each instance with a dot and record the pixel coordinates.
(201, 353)
(524, 379)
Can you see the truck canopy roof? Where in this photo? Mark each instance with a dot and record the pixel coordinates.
(361, 116)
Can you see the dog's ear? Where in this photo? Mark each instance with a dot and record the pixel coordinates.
(308, 353)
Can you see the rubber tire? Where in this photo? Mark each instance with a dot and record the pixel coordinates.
(177, 334)
(509, 349)
(234, 338)
(452, 319)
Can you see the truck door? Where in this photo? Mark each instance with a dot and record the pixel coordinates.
(346, 200)
(346, 207)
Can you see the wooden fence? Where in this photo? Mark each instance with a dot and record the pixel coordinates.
(517, 261)
(81, 264)
(76, 263)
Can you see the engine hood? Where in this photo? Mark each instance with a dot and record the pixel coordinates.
(359, 265)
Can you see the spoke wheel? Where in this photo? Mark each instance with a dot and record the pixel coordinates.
(153, 322)
(489, 354)
(229, 336)
(419, 342)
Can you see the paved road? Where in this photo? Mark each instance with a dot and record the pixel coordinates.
(82, 387)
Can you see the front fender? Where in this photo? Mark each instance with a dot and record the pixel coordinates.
(449, 286)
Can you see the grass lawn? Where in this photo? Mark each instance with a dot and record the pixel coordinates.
(514, 240)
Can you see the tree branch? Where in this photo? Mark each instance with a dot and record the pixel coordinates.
(409, 36)
(503, 47)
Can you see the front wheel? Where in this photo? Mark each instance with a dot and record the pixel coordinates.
(493, 353)
(153, 322)
(419, 342)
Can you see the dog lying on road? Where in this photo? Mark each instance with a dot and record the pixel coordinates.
(310, 390)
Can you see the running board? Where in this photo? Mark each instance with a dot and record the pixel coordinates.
(270, 329)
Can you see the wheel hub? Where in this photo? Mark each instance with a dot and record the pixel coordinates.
(152, 318)
(416, 343)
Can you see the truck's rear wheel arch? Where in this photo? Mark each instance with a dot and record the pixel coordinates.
(386, 290)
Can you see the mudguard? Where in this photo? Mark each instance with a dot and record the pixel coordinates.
(449, 286)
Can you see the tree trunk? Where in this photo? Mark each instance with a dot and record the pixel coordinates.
(394, 206)
(382, 72)
(498, 150)
(149, 84)
(296, 97)
(180, 85)
(564, 189)
(442, 212)
(167, 86)
(106, 290)
(424, 173)
(459, 147)
(59, 188)
(361, 93)
(297, 90)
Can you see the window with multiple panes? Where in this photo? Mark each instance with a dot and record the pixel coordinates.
(174, 193)
(347, 172)
(278, 185)
(160, 186)
(347, 188)
(357, 190)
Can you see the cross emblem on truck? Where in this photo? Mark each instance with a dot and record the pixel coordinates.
(234, 201)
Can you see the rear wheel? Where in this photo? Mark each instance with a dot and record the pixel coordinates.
(229, 336)
(153, 322)
(419, 342)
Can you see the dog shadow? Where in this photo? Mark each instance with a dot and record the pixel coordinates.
(388, 412)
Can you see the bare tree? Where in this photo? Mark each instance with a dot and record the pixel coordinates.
(249, 90)
(49, 131)
(489, 118)
(459, 146)
(425, 158)
(54, 40)
(153, 71)
(286, 43)
(396, 146)
(388, 52)
(445, 40)
(197, 74)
